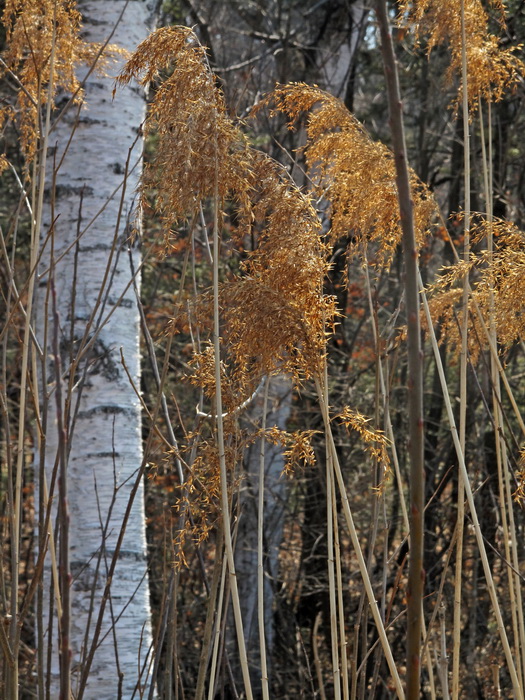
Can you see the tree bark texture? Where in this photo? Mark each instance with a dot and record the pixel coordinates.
(95, 161)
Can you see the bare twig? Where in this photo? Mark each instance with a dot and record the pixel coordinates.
(415, 360)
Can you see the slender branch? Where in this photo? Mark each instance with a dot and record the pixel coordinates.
(63, 516)
(415, 363)
(237, 409)
(317, 659)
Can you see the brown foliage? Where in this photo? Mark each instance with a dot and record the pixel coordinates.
(497, 279)
(354, 173)
(43, 49)
(491, 69)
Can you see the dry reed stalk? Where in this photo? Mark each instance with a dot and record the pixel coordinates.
(323, 404)
(37, 199)
(518, 690)
(504, 476)
(331, 518)
(260, 537)
(212, 619)
(340, 603)
(221, 449)
(218, 627)
(442, 664)
(458, 587)
(332, 586)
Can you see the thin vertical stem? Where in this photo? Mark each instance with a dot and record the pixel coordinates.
(386, 405)
(415, 360)
(517, 688)
(356, 544)
(456, 630)
(505, 497)
(217, 636)
(63, 517)
(38, 186)
(260, 542)
(334, 635)
(222, 452)
(317, 661)
(331, 524)
(340, 602)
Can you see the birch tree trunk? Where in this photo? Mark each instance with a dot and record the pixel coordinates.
(88, 262)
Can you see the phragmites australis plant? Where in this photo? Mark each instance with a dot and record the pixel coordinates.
(258, 261)
(43, 48)
(271, 316)
(471, 317)
(491, 70)
(268, 314)
(354, 173)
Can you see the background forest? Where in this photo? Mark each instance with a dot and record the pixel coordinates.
(261, 333)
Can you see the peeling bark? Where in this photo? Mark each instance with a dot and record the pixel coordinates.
(90, 210)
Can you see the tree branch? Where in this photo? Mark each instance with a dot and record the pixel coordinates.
(415, 360)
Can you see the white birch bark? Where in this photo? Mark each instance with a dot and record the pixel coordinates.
(336, 60)
(105, 450)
